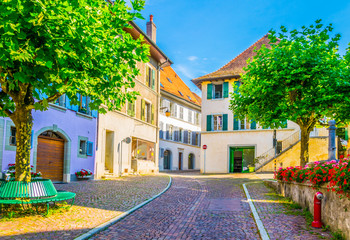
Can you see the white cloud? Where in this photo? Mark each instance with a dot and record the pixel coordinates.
(205, 59)
(185, 71)
(192, 58)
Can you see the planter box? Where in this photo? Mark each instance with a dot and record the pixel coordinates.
(335, 211)
(84, 177)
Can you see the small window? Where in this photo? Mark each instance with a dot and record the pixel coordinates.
(169, 80)
(181, 93)
(217, 88)
(148, 112)
(13, 136)
(83, 104)
(189, 98)
(217, 122)
(161, 84)
(82, 147)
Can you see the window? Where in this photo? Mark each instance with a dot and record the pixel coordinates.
(165, 104)
(181, 93)
(189, 137)
(181, 113)
(181, 134)
(171, 130)
(217, 88)
(197, 116)
(150, 77)
(161, 84)
(83, 104)
(169, 80)
(143, 150)
(244, 124)
(173, 107)
(189, 98)
(217, 122)
(131, 109)
(82, 147)
(12, 136)
(61, 101)
(197, 139)
(161, 126)
(189, 116)
(148, 112)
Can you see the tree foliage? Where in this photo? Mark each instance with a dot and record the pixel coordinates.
(300, 77)
(50, 48)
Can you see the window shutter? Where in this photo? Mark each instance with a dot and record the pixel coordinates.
(32, 139)
(152, 114)
(210, 91)
(252, 124)
(209, 122)
(346, 134)
(167, 132)
(186, 137)
(161, 134)
(199, 139)
(237, 84)
(153, 78)
(235, 123)
(133, 108)
(176, 135)
(224, 122)
(88, 111)
(147, 76)
(94, 113)
(284, 124)
(142, 109)
(162, 152)
(68, 106)
(89, 148)
(76, 107)
(194, 138)
(225, 85)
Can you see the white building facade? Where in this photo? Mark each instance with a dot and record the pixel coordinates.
(179, 133)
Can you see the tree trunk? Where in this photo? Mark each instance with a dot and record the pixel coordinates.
(24, 123)
(304, 145)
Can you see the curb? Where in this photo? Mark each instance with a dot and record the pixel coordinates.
(120, 217)
(260, 225)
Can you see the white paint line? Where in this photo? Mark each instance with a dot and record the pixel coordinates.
(120, 217)
(262, 230)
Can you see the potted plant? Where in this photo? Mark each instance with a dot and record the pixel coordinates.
(11, 171)
(83, 174)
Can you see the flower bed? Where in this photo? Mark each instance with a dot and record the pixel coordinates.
(12, 171)
(335, 173)
(83, 173)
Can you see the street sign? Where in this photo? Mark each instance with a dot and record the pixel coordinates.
(204, 147)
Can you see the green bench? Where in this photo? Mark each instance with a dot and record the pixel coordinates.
(34, 192)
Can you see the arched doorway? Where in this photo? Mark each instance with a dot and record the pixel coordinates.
(50, 155)
(167, 156)
(191, 161)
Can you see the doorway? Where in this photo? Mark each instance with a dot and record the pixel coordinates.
(109, 151)
(180, 160)
(167, 155)
(191, 161)
(241, 158)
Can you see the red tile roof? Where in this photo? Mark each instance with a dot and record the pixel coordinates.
(172, 83)
(234, 68)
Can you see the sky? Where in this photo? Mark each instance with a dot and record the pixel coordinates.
(202, 36)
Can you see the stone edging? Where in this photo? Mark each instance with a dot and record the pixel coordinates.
(259, 224)
(120, 217)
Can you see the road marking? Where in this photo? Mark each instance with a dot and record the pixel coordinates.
(120, 217)
(260, 225)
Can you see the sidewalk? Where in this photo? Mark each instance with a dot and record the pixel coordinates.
(96, 203)
(281, 218)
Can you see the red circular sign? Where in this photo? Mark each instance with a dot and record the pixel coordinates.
(204, 146)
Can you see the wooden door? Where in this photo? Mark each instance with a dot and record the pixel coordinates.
(50, 158)
(180, 160)
(166, 159)
(238, 159)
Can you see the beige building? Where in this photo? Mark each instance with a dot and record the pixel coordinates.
(234, 145)
(128, 139)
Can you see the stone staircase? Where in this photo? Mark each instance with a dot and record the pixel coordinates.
(108, 174)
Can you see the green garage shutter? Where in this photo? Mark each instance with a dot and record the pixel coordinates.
(209, 91)
(224, 122)
(225, 89)
(208, 122)
(252, 124)
(235, 123)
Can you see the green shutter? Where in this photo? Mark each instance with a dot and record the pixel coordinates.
(224, 122)
(284, 124)
(208, 122)
(252, 124)
(209, 91)
(147, 76)
(235, 123)
(225, 85)
(346, 134)
(153, 78)
(152, 114)
(133, 109)
(237, 84)
(142, 109)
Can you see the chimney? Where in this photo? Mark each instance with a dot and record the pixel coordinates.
(151, 29)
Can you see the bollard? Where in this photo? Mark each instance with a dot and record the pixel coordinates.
(317, 210)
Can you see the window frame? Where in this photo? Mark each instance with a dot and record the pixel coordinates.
(217, 126)
(222, 91)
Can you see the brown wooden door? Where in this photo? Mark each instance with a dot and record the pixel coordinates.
(180, 160)
(50, 158)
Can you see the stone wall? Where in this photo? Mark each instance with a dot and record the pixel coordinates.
(335, 211)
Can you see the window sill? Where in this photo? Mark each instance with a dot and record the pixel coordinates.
(83, 115)
(57, 107)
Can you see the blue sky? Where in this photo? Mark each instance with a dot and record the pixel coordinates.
(202, 36)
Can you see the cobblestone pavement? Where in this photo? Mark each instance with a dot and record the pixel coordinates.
(281, 222)
(96, 203)
(195, 207)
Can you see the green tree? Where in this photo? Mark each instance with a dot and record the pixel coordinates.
(299, 77)
(50, 48)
